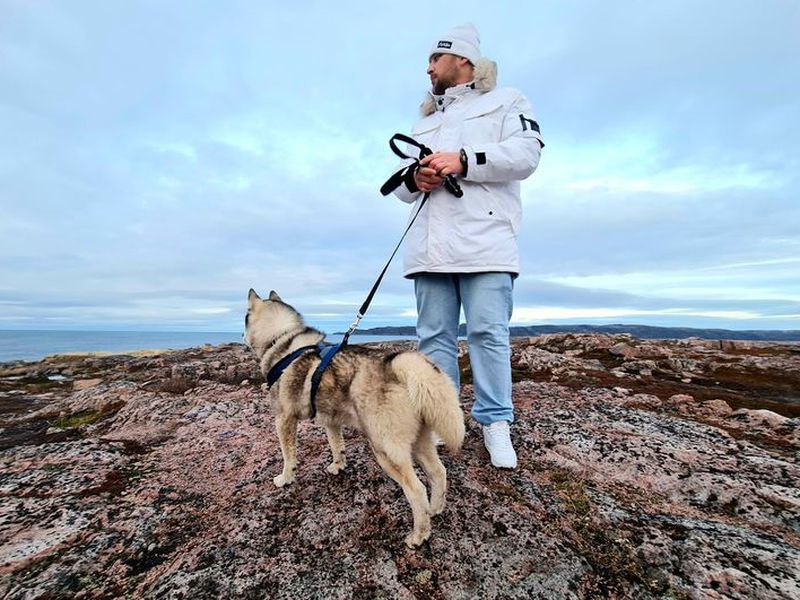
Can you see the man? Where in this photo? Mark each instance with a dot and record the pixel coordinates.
(462, 252)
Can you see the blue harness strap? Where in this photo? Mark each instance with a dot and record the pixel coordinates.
(326, 354)
(277, 370)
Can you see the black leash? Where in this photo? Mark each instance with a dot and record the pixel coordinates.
(327, 352)
(450, 183)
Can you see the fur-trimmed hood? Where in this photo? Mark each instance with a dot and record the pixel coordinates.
(485, 80)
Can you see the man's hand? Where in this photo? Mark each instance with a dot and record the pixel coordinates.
(444, 163)
(426, 179)
(435, 167)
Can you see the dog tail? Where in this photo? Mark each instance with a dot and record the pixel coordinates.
(433, 395)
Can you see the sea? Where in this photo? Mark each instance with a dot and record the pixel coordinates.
(35, 345)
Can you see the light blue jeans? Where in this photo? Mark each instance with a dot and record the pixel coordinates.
(487, 302)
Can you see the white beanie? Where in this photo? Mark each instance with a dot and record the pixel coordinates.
(461, 41)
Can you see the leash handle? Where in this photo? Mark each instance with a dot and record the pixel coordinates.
(423, 149)
(450, 181)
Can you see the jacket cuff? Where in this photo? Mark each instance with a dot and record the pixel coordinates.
(408, 179)
(477, 165)
(464, 160)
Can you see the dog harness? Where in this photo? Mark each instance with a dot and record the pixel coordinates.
(328, 351)
(279, 367)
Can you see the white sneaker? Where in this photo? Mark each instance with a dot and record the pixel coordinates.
(497, 440)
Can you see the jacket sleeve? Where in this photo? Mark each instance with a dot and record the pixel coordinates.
(407, 191)
(516, 155)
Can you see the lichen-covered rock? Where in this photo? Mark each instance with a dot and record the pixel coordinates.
(155, 480)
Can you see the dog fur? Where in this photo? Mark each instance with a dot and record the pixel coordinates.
(397, 400)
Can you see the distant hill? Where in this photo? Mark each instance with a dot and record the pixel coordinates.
(640, 331)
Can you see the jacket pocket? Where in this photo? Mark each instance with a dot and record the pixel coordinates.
(425, 132)
(482, 124)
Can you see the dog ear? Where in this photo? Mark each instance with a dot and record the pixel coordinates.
(273, 295)
(252, 297)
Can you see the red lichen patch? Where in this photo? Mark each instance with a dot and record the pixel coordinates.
(113, 485)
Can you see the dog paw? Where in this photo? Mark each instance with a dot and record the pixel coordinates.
(336, 468)
(415, 538)
(282, 480)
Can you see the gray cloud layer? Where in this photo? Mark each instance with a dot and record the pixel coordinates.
(158, 160)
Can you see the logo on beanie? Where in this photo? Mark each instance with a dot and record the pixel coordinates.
(444, 44)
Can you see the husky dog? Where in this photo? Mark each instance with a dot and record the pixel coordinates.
(398, 400)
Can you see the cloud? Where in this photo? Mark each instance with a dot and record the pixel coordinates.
(158, 160)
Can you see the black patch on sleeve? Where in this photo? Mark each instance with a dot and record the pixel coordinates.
(480, 158)
(534, 126)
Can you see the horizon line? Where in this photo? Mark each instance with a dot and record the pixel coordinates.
(240, 331)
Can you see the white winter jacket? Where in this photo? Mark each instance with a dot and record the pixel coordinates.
(477, 232)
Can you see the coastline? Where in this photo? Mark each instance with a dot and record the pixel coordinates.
(30, 345)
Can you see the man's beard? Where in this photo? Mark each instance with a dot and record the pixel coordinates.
(445, 81)
(440, 87)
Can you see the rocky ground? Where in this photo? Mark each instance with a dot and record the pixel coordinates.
(647, 470)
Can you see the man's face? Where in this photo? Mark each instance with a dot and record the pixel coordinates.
(443, 69)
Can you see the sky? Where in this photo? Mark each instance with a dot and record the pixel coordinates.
(158, 159)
